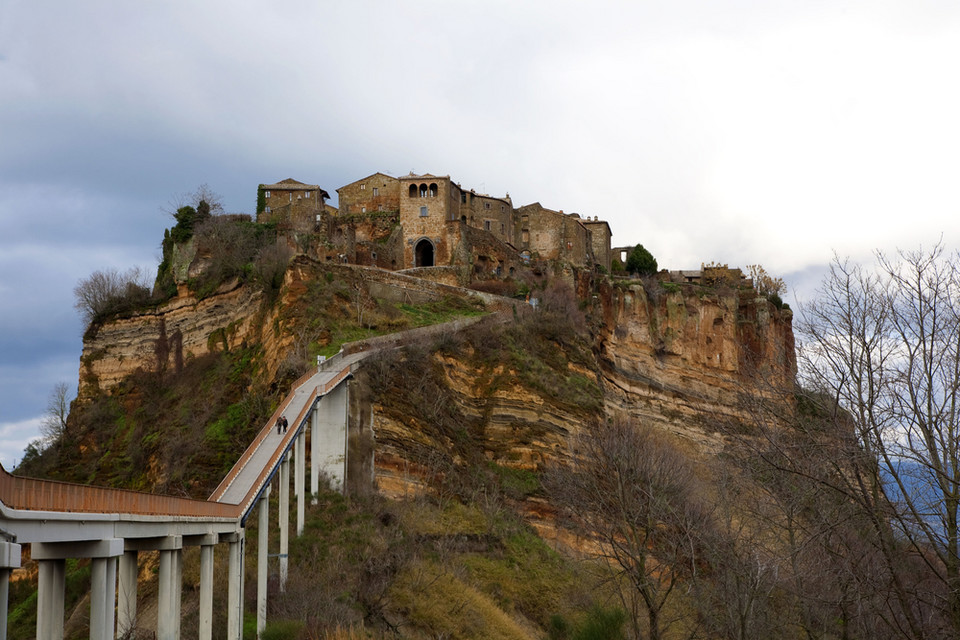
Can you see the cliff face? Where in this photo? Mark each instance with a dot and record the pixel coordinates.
(671, 357)
(675, 359)
(164, 338)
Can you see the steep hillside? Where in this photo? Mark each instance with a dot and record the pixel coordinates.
(458, 441)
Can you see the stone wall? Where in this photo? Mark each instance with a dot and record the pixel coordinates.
(378, 192)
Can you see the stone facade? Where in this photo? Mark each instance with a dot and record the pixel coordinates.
(600, 236)
(377, 192)
(550, 235)
(292, 204)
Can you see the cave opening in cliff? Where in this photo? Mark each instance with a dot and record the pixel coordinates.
(424, 253)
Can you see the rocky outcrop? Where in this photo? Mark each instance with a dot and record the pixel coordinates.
(679, 356)
(163, 338)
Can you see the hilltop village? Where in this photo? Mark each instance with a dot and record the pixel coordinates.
(431, 221)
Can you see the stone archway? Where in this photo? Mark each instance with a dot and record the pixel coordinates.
(423, 253)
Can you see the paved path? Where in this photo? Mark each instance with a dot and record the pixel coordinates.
(268, 442)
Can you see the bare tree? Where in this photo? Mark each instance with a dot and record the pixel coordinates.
(884, 346)
(110, 291)
(53, 427)
(631, 489)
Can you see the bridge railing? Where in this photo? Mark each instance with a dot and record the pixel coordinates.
(53, 495)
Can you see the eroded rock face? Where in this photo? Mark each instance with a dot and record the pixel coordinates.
(164, 338)
(675, 358)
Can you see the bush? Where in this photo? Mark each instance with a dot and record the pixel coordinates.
(641, 262)
(109, 292)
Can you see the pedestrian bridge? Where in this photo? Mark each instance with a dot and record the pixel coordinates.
(111, 526)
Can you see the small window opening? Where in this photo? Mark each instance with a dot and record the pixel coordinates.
(413, 191)
(423, 212)
(433, 190)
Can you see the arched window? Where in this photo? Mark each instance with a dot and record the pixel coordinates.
(413, 191)
(433, 189)
(423, 191)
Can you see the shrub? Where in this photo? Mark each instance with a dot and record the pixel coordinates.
(641, 262)
(108, 292)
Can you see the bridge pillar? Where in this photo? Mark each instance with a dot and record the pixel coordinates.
(284, 520)
(299, 475)
(127, 593)
(263, 535)
(235, 585)
(331, 436)
(50, 583)
(315, 453)
(51, 557)
(206, 543)
(9, 560)
(170, 585)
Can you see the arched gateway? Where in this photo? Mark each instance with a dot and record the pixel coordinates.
(423, 254)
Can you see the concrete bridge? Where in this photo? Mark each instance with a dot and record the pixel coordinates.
(110, 527)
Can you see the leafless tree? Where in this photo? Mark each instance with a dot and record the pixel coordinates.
(110, 291)
(53, 427)
(631, 489)
(884, 346)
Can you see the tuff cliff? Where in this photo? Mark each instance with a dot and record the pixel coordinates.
(511, 396)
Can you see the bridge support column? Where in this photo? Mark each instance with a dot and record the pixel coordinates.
(170, 585)
(127, 593)
(331, 436)
(206, 543)
(51, 557)
(315, 453)
(235, 585)
(263, 536)
(9, 560)
(284, 520)
(299, 476)
(103, 586)
(50, 583)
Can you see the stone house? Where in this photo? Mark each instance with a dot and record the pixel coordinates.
(292, 204)
(550, 235)
(377, 192)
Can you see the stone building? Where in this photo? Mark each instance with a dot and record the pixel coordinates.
(377, 192)
(550, 235)
(601, 236)
(292, 204)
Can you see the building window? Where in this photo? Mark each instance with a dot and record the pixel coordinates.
(486, 225)
(423, 212)
(363, 209)
(413, 191)
(502, 229)
(423, 191)
(433, 190)
(376, 191)
(463, 197)
(502, 209)
(307, 194)
(486, 205)
(266, 194)
(379, 207)
(525, 236)
(363, 187)
(267, 209)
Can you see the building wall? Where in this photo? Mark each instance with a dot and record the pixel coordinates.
(429, 208)
(495, 215)
(553, 235)
(378, 192)
(600, 238)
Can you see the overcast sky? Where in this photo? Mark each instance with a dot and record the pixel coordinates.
(742, 132)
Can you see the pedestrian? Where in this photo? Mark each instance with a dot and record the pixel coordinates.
(285, 423)
(279, 424)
